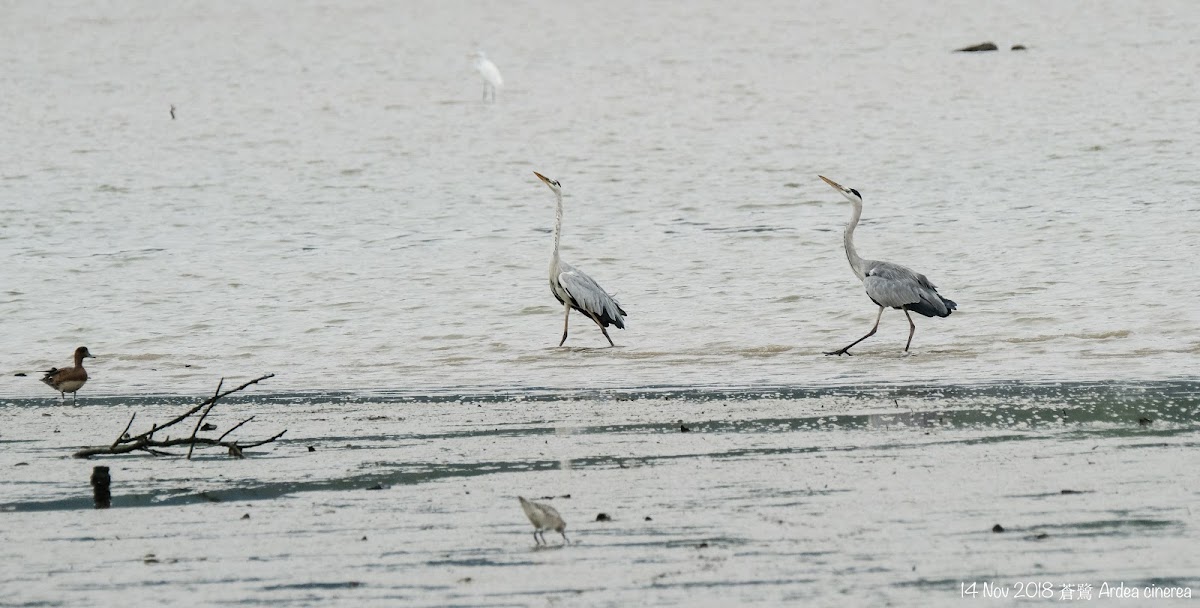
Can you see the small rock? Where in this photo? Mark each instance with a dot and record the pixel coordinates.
(246, 516)
(20, 374)
(565, 496)
(208, 426)
(703, 545)
(363, 538)
(465, 580)
(1041, 536)
(1071, 492)
(997, 528)
(377, 486)
(21, 464)
(603, 517)
(1018, 47)
(975, 48)
(684, 429)
(149, 559)
(312, 449)
(648, 518)
(1143, 421)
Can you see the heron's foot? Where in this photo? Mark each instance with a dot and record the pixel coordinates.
(844, 351)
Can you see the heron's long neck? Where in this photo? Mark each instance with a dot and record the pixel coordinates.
(558, 213)
(856, 263)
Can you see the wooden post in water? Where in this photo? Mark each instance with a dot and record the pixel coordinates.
(100, 491)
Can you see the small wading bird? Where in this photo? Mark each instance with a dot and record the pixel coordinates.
(573, 288)
(543, 517)
(489, 72)
(888, 284)
(69, 379)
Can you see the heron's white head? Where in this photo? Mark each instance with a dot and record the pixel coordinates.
(553, 184)
(850, 193)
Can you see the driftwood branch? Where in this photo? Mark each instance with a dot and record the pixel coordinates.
(199, 422)
(145, 442)
(126, 431)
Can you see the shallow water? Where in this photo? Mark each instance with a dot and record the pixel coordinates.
(334, 204)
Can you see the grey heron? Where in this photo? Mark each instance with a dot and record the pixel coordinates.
(543, 517)
(887, 284)
(69, 379)
(573, 288)
(489, 72)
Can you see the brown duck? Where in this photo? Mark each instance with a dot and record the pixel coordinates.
(69, 379)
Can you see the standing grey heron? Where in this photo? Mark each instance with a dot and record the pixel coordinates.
(489, 72)
(888, 284)
(573, 288)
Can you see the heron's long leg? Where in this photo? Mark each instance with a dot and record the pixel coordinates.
(846, 351)
(912, 329)
(535, 538)
(602, 330)
(565, 539)
(566, 317)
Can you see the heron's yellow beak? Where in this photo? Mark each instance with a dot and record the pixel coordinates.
(835, 185)
(542, 177)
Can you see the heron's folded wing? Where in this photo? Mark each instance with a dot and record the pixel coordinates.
(588, 294)
(892, 286)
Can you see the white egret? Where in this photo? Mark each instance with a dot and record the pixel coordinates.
(489, 72)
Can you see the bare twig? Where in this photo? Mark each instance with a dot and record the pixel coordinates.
(125, 431)
(212, 402)
(145, 442)
(264, 441)
(184, 416)
(234, 428)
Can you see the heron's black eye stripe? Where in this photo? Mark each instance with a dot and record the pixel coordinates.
(856, 193)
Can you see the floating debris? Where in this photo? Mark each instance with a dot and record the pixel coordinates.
(976, 48)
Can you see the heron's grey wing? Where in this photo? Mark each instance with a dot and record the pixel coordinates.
(892, 285)
(897, 286)
(590, 297)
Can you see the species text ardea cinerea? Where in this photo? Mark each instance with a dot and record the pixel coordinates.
(888, 284)
(573, 288)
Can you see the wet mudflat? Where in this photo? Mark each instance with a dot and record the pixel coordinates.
(841, 495)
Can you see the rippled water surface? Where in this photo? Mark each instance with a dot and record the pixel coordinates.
(334, 204)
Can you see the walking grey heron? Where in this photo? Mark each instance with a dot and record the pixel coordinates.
(543, 517)
(69, 379)
(573, 288)
(489, 72)
(888, 284)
